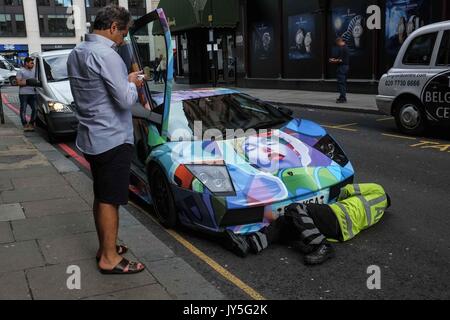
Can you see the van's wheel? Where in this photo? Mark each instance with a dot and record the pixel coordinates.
(13, 81)
(162, 197)
(409, 117)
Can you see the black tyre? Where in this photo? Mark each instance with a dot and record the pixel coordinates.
(410, 117)
(50, 135)
(13, 81)
(163, 201)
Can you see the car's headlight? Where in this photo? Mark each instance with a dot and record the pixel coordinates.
(214, 177)
(332, 150)
(58, 107)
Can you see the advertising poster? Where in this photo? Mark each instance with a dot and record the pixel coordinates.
(349, 23)
(402, 18)
(263, 41)
(302, 36)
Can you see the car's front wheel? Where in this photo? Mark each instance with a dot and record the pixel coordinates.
(163, 201)
(409, 117)
(13, 81)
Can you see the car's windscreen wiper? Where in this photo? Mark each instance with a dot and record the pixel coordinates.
(268, 124)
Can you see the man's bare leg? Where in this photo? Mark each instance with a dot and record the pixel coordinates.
(107, 222)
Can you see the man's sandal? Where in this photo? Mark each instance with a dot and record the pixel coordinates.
(125, 267)
(120, 251)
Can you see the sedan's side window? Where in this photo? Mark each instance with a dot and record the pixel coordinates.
(443, 58)
(420, 50)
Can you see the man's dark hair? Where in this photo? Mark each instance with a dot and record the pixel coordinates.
(28, 59)
(112, 13)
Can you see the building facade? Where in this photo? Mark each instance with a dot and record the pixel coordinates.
(28, 26)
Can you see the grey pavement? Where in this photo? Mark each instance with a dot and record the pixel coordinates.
(46, 226)
(364, 103)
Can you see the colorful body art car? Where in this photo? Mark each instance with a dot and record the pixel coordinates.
(216, 159)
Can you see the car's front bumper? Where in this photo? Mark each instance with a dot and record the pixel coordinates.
(210, 213)
(384, 104)
(62, 123)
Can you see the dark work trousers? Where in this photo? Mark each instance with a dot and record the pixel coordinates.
(341, 75)
(27, 100)
(311, 224)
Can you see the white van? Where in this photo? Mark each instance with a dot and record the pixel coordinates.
(416, 91)
(7, 71)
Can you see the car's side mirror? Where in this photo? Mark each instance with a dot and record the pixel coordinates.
(286, 111)
(34, 83)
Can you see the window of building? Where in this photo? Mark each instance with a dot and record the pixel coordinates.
(53, 18)
(136, 4)
(420, 50)
(100, 3)
(443, 58)
(12, 21)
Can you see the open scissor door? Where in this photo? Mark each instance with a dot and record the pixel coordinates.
(151, 51)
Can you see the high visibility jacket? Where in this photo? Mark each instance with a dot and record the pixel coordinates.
(358, 207)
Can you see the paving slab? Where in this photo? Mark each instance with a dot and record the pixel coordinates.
(82, 184)
(37, 171)
(5, 184)
(11, 211)
(65, 165)
(151, 292)
(44, 146)
(50, 282)
(70, 248)
(45, 192)
(56, 226)
(182, 281)
(20, 255)
(14, 286)
(41, 208)
(54, 180)
(6, 235)
(144, 244)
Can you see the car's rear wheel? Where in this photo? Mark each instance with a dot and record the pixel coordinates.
(409, 117)
(163, 201)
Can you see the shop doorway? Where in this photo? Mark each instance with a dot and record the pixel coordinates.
(226, 58)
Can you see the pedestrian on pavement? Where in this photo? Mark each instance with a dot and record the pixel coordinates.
(342, 61)
(27, 94)
(162, 69)
(359, 207)
(156, 72)
(104, 93)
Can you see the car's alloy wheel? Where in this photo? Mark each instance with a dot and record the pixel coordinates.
(410, 118)
(162, 198)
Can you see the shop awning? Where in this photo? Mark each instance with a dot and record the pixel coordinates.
(188, 14)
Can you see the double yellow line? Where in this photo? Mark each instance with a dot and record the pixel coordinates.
(252, 293)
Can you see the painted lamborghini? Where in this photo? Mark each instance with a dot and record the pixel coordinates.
(216, 159)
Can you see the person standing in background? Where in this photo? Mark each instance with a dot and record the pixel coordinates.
(342, 61)
(27, 95)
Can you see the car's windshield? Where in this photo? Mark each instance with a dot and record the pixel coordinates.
(222, 113)
(55, 67)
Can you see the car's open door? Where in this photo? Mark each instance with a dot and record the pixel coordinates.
(149, 48)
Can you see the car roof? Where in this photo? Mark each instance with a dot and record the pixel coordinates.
(52, 53)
